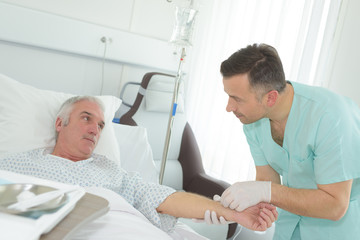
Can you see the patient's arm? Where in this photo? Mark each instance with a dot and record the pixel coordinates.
(189, 205)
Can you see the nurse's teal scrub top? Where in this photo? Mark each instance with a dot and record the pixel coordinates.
(321, 146)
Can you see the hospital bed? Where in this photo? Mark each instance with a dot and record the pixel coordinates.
(27, 122)
(64, 54)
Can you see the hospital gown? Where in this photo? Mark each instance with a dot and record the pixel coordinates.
(321, 146)
(97, 171)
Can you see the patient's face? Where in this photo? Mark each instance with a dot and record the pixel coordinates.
(77, 140)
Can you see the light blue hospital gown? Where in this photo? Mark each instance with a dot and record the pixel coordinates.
(321, 146)
(97, 171)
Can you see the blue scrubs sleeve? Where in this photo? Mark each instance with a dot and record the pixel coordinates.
(336, 157)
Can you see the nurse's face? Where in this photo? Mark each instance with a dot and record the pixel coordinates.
(243, 101)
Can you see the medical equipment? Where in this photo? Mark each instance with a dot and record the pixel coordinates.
(182, 32)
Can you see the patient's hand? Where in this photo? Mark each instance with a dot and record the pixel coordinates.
(258, 217)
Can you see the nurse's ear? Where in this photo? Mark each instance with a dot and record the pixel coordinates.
(271, 98)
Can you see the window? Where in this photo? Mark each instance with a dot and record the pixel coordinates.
(301, 31)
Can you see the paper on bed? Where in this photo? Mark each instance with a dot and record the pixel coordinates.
(19, 227)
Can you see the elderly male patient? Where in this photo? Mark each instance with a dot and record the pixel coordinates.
(79, 124)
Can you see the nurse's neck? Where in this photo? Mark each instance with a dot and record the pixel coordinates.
(281, 109)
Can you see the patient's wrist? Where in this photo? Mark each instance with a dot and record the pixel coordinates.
(227, 213)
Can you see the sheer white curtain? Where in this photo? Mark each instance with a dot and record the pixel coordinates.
(300, 30)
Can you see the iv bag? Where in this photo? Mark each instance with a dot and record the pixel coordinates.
(183, 27)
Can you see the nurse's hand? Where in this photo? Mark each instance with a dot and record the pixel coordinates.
(242, 195)
(210, 217)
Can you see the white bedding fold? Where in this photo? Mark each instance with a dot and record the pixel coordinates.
(124, 222)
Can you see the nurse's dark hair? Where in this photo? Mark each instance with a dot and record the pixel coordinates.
(262, 64)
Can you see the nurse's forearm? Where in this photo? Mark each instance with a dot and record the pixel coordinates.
(317, 203)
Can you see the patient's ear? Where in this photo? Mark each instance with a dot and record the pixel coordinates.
(58, 124)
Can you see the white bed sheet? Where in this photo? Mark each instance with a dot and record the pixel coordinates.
(124, 222)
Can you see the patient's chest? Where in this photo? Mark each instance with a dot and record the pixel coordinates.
(92, 172)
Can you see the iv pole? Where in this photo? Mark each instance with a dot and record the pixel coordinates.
(181, 36)
(171, 117)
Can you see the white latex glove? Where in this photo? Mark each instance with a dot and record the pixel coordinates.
(242, 195)
(211, 217)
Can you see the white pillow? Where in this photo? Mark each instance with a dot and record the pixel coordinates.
(135, 151)
(159, 95)
(27, 118)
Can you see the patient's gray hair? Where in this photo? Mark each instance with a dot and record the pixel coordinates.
(67, 107)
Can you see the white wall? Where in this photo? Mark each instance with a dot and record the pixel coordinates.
(153, 18)
(74, 72)
(148, 18)
(345, 71)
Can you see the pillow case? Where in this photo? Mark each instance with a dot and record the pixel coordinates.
(135, 151)
(159, 95)
(28, 114)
